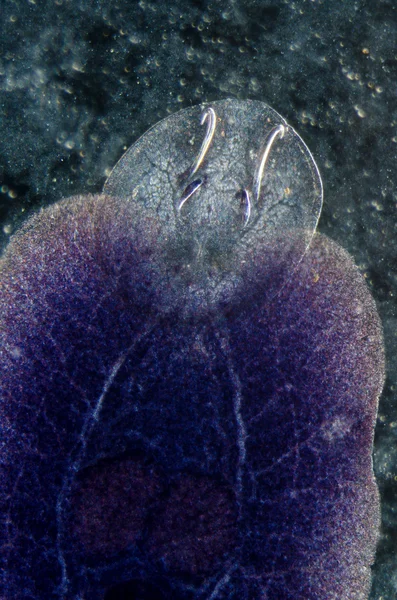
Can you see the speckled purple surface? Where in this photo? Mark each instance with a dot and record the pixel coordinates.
(219, 453)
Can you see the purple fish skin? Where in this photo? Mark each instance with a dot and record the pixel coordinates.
(190, 439)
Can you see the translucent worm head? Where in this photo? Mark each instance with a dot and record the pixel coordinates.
(228, 177)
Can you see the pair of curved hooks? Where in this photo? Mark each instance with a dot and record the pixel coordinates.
(209, 115)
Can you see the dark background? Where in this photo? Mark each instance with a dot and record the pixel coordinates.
(80, 80)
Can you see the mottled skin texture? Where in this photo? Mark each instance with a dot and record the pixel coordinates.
(193, 448)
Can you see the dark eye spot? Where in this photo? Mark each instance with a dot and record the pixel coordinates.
(244, 209)
(189, 190)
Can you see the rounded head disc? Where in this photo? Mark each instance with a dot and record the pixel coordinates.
(227, 179)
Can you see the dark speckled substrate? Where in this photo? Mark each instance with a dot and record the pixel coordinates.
(161, 453)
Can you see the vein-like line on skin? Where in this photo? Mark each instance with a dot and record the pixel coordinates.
(74, 465)
(237, 404)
